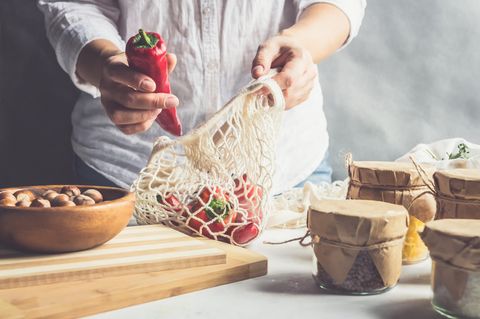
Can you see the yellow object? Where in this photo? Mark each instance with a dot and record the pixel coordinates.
(414, 250)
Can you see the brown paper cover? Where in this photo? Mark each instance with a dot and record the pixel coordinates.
(419, 203)
(390, 174)
(457, 208)
(455, 242)
(358, 223)
(458, 183)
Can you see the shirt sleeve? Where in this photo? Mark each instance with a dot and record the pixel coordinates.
(353, 9)
(71, 25)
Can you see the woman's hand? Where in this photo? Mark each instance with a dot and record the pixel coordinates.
(128, 97)
(297, 73)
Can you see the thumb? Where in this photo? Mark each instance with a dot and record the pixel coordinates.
(172, 62)
(262, 62)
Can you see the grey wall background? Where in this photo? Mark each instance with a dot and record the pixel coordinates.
(411, 76)
(36, 98)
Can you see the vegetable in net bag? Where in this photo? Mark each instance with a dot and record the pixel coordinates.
(216, 180)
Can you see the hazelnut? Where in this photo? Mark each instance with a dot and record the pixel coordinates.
(8, 201)
(50, 194)
(38, 202)
(64, 203)
(24, 195)
(83, 200)
(70, 190)
(60, 200)
(68, 203)
(23, 203)
(7, 194)
(94, 194)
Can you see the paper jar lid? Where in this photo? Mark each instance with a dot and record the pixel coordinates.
(454, 241)
(458, 183)
(388, 173)
(357, 222)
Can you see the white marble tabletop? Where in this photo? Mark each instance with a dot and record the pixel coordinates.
(288, 291)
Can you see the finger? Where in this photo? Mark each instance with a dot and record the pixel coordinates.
(308, 77)
(299, 94)
(120, 115)
(290, 73)
(136, 128)
(262, 62)
(304, 83)
(140, 100)
(172, 62)
(121, 73)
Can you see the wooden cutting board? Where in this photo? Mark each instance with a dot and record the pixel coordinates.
(135, 250)
(103, 294)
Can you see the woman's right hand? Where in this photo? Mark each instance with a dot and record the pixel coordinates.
(128, 96)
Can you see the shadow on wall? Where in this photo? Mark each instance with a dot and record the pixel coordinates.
(36, 98)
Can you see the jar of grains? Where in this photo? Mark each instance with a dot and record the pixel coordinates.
(455, 250)
(458, 193)
(401, 184)
(357, 245)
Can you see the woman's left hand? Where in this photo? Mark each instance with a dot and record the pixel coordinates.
(297, 73)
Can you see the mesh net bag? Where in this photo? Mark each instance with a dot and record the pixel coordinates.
(216, 181)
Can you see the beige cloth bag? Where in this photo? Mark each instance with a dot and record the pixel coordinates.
(216, 181)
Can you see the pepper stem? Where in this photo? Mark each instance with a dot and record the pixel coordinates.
(145, 40)
(217, 209)
(144, 37)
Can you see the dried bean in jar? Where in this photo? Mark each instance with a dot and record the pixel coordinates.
(363, 277)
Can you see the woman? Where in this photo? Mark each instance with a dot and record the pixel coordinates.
(219, 45)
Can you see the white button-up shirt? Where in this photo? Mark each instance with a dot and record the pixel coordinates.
(215, 42)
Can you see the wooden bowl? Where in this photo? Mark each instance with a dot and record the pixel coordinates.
(65, 229)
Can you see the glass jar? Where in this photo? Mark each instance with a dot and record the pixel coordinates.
(357, 245)
(362, 279)
(454, 246)
(401, 184)
(456, 292)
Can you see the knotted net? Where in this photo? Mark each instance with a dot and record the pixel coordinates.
(216, 181)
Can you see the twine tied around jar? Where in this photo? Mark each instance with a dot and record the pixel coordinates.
(395, 242)
(316, 240)
(301, 240)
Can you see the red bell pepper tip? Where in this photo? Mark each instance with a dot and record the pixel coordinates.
(145, 40)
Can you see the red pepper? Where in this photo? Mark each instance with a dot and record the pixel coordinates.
(170, 201)
(249, 198)
(242, 235)
(147, 53)
(171, 204)
(211, 213)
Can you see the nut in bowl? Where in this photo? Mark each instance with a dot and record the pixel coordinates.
(56, 219)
